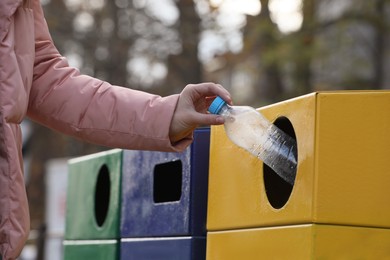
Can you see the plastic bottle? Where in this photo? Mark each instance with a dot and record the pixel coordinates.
(250, 130)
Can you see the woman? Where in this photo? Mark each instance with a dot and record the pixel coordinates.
(35, 80)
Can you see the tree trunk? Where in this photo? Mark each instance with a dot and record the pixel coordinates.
(303, 75)
(260, 41)
(379, 43)
(185, 68)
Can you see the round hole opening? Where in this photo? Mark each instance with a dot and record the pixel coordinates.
(277, 189)
(102, 195)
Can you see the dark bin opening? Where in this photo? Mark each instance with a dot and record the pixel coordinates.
(167, 182)
(278, 190)
(102, 195)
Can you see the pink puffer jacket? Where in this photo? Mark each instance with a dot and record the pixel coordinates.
(35, 80)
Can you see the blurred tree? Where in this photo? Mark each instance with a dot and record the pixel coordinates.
(108, 44)
(374, 14)
(340, 45)
(353, 47)
(261, 37)
(284, 59)
(301, 50)
(92, 35)
(185, 67)
(379, 55)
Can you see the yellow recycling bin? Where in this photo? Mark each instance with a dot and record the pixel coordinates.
(343, 173)
(300, 242)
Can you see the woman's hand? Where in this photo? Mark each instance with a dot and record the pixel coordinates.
(191, 109)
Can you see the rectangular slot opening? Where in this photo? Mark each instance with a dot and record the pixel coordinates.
(167, 182)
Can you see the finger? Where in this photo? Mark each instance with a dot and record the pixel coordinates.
(208, 119)
(212, 90)
(225, 95)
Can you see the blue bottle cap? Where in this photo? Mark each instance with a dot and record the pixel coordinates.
(216, 105)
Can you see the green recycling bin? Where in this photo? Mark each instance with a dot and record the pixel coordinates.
(91, 250)
(93, 196)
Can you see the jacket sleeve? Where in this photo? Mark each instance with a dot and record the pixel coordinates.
(93, 110)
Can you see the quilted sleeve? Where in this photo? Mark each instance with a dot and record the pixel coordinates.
(93, 110)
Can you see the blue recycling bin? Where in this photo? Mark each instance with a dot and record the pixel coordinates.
(165, 194)
(178, 248)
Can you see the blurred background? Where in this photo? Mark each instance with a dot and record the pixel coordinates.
(262, 51)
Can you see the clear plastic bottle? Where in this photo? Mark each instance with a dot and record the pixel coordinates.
(250, 130)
